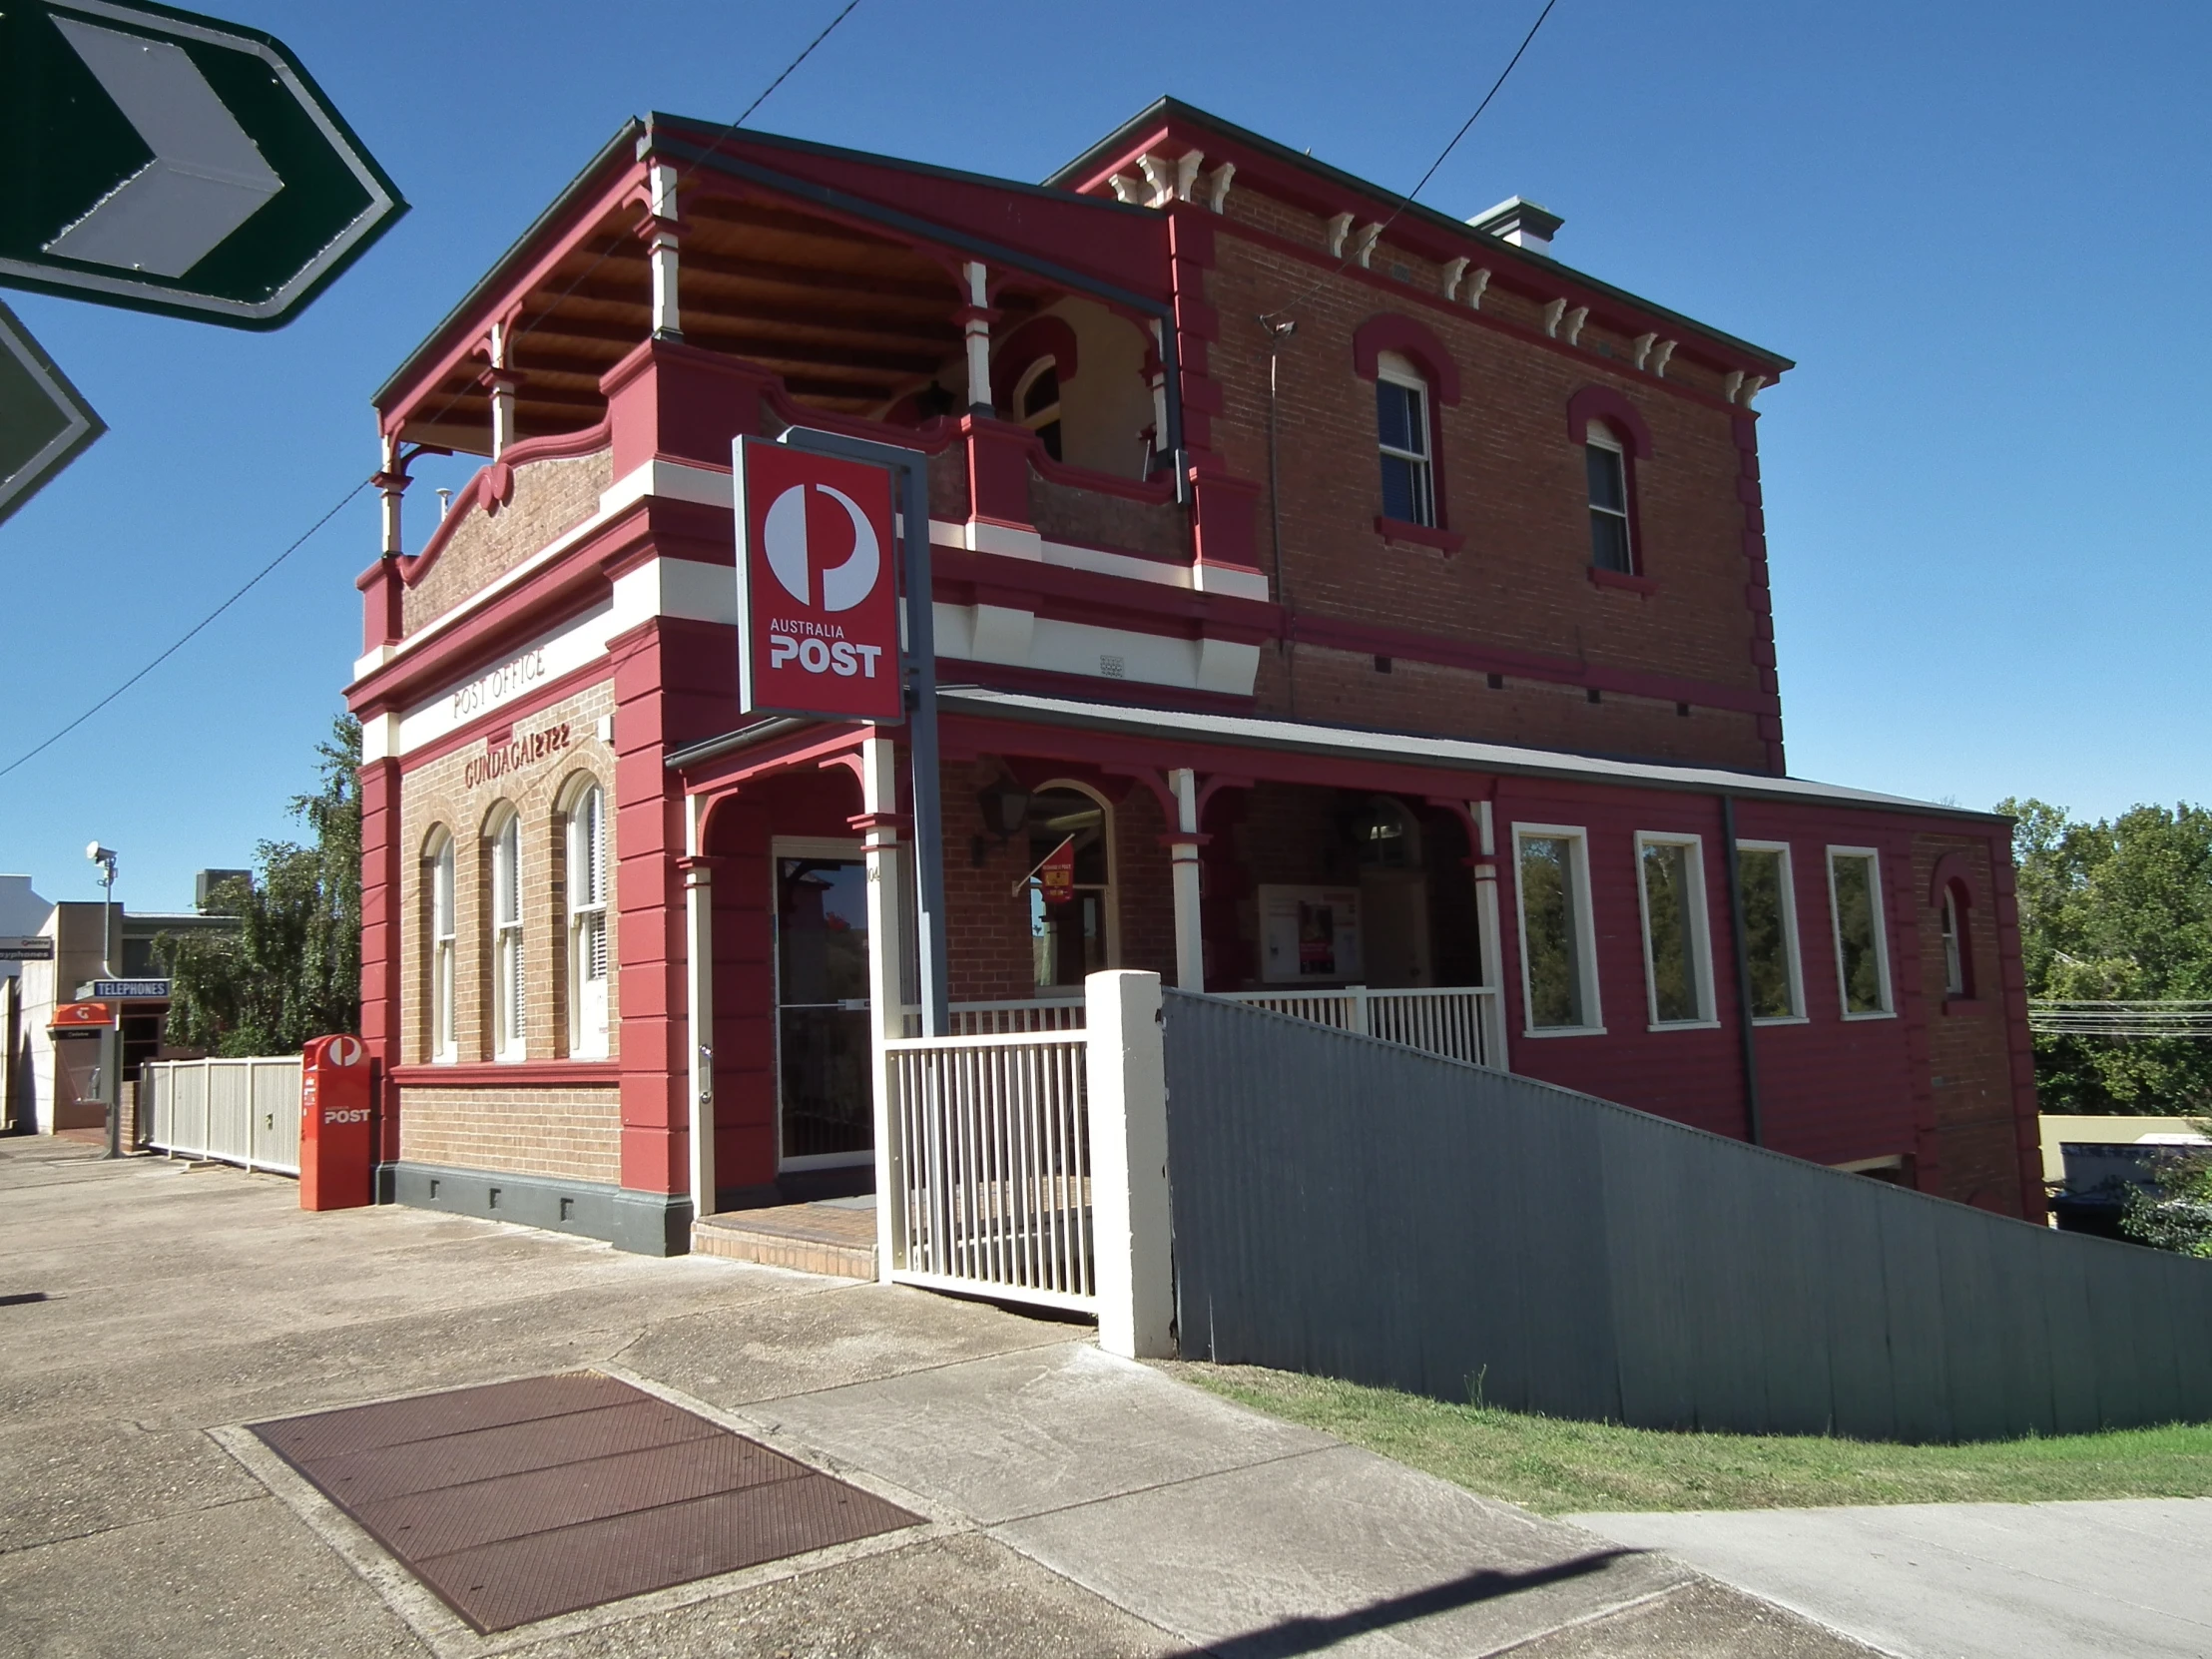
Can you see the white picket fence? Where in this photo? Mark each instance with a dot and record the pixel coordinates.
(991, 1166)
(243, 1112)
(1456, 1021)
(1452, 1020)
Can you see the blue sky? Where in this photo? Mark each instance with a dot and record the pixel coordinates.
(1980, 229)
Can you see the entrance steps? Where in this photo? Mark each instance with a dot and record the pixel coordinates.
(836, 1237)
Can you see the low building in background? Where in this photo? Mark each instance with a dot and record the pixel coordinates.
(53, 1057)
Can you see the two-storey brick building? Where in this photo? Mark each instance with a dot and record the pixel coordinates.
(1374, 599)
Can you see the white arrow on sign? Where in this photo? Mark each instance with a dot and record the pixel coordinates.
(207, 177)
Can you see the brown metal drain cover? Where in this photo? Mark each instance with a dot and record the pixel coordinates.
(525, 1499)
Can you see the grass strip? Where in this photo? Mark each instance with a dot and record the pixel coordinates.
(1555, 1466)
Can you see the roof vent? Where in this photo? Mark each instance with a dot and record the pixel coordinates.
(1522, 223)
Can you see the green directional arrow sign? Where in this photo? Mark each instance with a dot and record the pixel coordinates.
(43, 421)
(174, 163)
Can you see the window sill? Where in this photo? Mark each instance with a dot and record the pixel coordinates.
(1872, 1013)
(1420, 535)
(1782, 1019)
(1642, 585)
(1563, 1031)
(1684, 1025)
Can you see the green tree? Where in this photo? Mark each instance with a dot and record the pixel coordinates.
(2181, 1217)
(2120, 912)
(292, 970)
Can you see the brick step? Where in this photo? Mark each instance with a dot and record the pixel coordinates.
(806, 1237)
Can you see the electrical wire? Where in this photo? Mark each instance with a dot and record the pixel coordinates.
(347, 499)
(252, 582)
(1442, 156)
(2164, 1020)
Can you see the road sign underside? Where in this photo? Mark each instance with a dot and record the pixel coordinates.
(44, 422)
(170, 162)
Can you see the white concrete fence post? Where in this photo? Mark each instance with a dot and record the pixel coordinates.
(1130, 1215)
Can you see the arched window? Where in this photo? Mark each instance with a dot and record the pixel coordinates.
(508, 1001)
(1605, 462)
(587, 921)
(1957, 947)
(438, 993)
(1072, 924)
(1037, 402)
(1402, 428)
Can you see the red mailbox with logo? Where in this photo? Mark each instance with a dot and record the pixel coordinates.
(337, 1129)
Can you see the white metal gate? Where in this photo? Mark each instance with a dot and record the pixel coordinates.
(989, 1166)
(243, 1112)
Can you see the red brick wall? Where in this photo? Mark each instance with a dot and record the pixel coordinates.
(1515, 488)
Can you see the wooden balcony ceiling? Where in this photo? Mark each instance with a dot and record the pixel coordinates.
(850, 320)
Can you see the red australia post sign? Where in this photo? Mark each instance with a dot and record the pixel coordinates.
(817, 592)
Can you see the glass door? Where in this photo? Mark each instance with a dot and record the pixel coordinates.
(823, 1034)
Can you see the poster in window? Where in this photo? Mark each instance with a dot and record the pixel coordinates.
(1308, 936)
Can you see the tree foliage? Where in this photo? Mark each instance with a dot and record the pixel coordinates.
(292, 970)
(2118, 912)
(2179, 1218)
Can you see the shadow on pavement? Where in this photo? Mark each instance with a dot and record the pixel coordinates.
(1314, 1635)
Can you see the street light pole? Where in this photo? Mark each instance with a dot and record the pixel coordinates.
(111, 1037)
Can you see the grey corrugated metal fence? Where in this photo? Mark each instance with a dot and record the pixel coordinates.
(1351, 1209)
(237, 1111)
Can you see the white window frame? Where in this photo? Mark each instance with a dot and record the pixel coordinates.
(1789, 943)
(1598, 435)
(1701, 932)
(588, 1020)
(510, 986)
(1593, 1012)
(1889, 1008)
(1398, 371)
(444, 1043)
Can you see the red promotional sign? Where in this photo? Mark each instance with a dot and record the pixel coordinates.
(83, 1013)
(1057, 872)
(818, 594)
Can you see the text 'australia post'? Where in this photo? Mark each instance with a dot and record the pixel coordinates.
(818, 586)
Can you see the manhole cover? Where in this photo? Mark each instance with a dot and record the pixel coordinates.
(525, 1499)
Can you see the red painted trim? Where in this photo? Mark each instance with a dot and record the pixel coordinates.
(1397, 529)
(1601, 578)
(1040, 337)
(1367, 639)
(1087, 687)
(481, 1074)
(1115, 601)
(1606, 404)
(1390, 331)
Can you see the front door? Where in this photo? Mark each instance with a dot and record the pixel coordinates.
(823, 1034)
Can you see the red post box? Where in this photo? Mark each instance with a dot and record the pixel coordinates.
(337, 1141)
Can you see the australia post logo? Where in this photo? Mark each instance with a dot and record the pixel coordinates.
(817, 597)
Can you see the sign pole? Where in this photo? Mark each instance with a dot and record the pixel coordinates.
(921, 667)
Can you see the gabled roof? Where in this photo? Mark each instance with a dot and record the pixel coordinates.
(1085, 170)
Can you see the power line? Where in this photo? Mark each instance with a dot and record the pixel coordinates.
(343, 501)
(250, 583)
(1442, 156)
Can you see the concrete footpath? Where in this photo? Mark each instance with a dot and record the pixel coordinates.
(2128, 1580)
(1075, 1504)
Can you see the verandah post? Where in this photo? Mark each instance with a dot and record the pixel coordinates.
(1130, 1217)
(887, 995)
